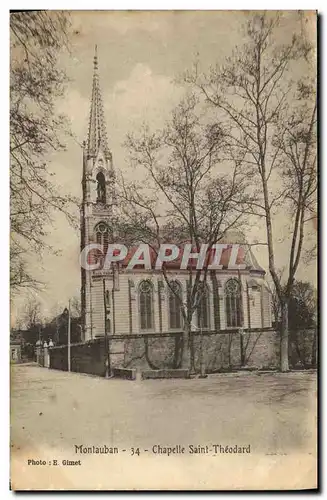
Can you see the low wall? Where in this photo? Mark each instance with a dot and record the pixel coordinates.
(232, 351)
(85, 358)
(216, 351)
(152, 351)
(220, 351)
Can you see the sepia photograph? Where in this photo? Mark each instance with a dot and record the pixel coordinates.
(163, 250)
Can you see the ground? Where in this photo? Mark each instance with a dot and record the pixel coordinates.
(51, 411)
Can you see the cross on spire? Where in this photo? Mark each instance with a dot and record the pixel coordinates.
(97, 135)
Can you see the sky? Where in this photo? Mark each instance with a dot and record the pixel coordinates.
(140, 54)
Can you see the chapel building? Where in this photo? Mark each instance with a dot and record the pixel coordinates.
(120, 301)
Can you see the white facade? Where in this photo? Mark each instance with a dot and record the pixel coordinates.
(124, 308)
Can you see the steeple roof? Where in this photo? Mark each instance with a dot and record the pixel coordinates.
(97, 135)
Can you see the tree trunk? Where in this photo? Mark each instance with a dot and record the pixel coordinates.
(284, 366)
(314, 350)
(242, 350)
(185, 347)
(203, 373)
(192, 353)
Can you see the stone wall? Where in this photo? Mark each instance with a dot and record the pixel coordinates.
(154, 352)
(221, 351)
(232, 351)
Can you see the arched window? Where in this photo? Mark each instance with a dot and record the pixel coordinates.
(102, 238)
(175, 311)
(101, 188)
(234, 316)
(146, 305)
(203, 311)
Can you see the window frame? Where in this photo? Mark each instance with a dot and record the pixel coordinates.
(177, 304)
(140, 291)
(104, 243)
(233, 300)
(208, 309)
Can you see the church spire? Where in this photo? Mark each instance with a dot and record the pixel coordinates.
(97, 136)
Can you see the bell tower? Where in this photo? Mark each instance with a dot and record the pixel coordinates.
(98, 199)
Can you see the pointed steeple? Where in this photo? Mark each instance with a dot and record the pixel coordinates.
(97, 135)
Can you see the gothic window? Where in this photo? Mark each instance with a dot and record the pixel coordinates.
(146, 305)
(203, 311)
(175, 311)
(101, 188)
(102, 238)
(234, 316)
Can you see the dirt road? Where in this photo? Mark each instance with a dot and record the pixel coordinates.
(52, 411)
